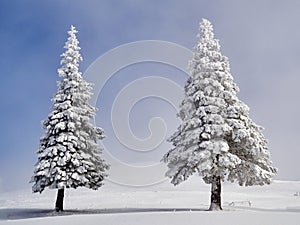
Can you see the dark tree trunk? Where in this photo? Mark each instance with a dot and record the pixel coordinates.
(59, 205)
(215, 200)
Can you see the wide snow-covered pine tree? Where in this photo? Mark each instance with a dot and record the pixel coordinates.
(216, 138)
(68, 154)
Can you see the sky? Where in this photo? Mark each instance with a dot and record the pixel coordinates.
(260, 38)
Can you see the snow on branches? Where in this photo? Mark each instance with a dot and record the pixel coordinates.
(68, 154)
(216, 137)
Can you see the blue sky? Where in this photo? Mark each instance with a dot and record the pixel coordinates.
(260, 37)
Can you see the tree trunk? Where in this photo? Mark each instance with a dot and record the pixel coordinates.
(59, 205)
(215, 200)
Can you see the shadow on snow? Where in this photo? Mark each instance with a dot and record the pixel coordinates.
(24, 213)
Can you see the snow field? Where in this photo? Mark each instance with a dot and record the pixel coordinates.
(178, 218)
(159, 204)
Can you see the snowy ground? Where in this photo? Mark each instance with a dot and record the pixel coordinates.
(163, 204)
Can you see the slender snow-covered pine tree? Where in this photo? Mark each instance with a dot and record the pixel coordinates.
(216, 138)
(68, 154)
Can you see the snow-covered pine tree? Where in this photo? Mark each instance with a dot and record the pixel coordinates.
(216, 138)
(68, 154)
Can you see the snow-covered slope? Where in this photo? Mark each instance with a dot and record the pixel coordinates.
(278, 203)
